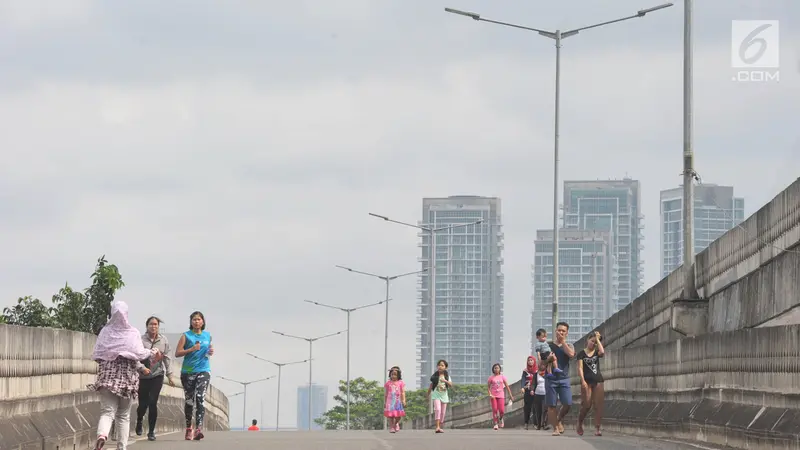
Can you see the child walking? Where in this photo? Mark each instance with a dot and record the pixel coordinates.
(498, 384)
(395, 399)
(438, 391)
(118, 350)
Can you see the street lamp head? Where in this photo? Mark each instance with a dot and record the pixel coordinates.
(378, 216)
(472, 15)
(642, 12)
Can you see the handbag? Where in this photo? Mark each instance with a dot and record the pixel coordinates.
(146, 362)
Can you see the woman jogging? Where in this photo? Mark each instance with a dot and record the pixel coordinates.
(152, 377)
(195, 348)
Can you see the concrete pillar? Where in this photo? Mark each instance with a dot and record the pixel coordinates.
(689, 317)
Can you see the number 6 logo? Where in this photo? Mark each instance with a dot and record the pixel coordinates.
(751, 40)
(754, 44)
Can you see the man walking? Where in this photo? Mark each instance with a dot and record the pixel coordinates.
(557, 386)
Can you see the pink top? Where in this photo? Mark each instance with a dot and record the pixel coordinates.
(497, 386)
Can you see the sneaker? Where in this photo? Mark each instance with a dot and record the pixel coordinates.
(101, 441)
(139, 430)
(151, 436)
(189, 434)
(502, 423)
(494, 427)
(198, 434)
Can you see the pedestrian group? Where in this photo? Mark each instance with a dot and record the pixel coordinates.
(545, 383)
(134, 366)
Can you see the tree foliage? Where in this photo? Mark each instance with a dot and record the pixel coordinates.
(367, 402)
(86, 311)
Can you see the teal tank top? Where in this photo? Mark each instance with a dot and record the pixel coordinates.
(196, 362)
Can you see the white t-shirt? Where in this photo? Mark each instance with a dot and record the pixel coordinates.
(539, 385)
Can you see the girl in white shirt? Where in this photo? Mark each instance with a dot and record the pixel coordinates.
(538, 401)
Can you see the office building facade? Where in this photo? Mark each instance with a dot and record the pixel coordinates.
(716, 210)
(468, 287)
(613, 206)
(587, 277)
(319, 405)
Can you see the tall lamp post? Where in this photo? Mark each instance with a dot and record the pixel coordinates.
(388, 279)
(244, 385)
(558, 36)
(347, 311)
(310, 360)
(431, 275)
(280, 367)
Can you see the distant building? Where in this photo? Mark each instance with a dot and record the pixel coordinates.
(587, 280)
(613, 206)
(469, 288)
(319, 405)
(716, 211)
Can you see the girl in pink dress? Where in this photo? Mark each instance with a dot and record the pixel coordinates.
(395, 403)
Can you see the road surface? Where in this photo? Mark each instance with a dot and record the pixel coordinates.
(408, 440)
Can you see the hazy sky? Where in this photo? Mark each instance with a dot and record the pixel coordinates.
(225, 154)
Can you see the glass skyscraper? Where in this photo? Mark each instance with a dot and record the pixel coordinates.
(716, 211)
(319, 405)
(613, 206)
(587, 280)
(469, 288)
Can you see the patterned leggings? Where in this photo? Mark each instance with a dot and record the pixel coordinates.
(194, 393)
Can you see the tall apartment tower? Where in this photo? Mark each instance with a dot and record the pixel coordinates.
(613, 206)
(716, 211)
(587, 279)
(319, 405)
(469, 287)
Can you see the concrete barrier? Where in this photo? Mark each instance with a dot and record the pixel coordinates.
(44, 403)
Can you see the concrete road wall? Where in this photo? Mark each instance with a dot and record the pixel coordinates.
(44, 403)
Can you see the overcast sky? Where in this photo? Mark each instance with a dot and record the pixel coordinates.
(225, 154)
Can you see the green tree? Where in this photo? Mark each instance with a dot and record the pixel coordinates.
(29, 312)
(106, 281)
(465, 393)
(367, 402)
(86, 311)
(366, 407)
(70, 310)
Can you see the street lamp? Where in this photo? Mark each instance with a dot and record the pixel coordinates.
(348, 311)
(279, 366)
(558, 36)
(431, 275)
(244, 385)
(310, 360)
(388, 279)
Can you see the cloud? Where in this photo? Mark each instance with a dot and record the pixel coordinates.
(226, 158)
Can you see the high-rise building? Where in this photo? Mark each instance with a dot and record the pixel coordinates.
(613, 206)
(587, 278)
(319, 405)
(469, 287)
(716, 211)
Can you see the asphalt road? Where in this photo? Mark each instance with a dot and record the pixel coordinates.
(409, 440)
